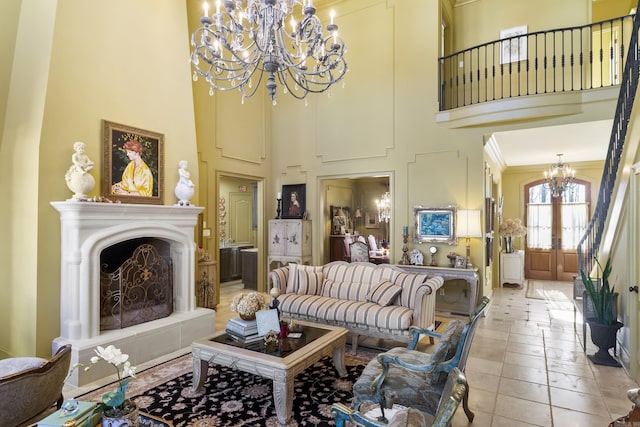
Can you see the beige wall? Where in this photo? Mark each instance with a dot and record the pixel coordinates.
(9, 14)
(234, 140)
(112, 60)
(477, 22)
(20, 162)
(607, 9)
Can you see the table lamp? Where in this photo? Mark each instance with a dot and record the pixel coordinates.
(468, 225)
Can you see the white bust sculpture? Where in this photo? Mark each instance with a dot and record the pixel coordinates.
(77, 177)
(184, 188)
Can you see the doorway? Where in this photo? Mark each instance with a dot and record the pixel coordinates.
(555, 225)
(356, 196)
(239, 207)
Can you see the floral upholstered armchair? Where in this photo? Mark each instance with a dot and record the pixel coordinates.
(31, 385)
(359, 251)
(417, 379)
(371, 415)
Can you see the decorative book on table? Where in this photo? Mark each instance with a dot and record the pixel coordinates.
(244, 340)
(55, 420)
(242, 327)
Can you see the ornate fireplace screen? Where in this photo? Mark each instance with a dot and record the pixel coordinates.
(139, 291)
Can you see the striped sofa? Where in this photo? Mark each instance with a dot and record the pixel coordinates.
(374, 300)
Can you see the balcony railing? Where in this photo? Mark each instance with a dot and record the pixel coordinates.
(590, 243)
(562, 60)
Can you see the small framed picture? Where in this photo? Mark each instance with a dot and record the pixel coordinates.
(267, 321)
(371, 220)
(293, 201)
(461, 262)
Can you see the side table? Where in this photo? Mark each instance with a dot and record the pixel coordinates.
(512, 268)
(206, 284)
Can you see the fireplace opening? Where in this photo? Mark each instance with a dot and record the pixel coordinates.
(136, 283)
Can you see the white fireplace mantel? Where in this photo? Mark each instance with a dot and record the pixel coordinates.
(87, 228)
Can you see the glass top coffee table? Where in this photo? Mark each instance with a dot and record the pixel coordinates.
(280, 363)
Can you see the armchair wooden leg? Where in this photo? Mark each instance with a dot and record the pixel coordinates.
(465, 405)
(354, 344)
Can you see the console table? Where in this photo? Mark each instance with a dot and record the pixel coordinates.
(470, 275)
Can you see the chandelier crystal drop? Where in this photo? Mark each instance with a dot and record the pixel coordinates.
(384, 207)
(559, 177)
(263, 38)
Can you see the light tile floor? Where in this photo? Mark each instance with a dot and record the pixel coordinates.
(527, 366)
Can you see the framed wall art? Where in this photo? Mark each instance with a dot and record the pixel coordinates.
(340, 219)
(371, 220)
(293, 201)
(514, 48)
(435, 225)
(133, 164)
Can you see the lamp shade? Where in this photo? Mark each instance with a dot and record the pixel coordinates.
(468, 223)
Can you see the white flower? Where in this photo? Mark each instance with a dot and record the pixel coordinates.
(512, 228)
(120, 361)
(248, 304)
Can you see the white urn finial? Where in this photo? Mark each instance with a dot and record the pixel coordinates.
(77, 177)
(184, 188)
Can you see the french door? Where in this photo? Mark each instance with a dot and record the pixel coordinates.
(555, 225)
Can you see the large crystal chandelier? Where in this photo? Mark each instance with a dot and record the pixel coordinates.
(559, 177)
(241, 42)
(384, 207)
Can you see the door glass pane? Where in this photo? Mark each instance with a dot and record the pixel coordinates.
(539, 217)
(539, 225)
(574, 215)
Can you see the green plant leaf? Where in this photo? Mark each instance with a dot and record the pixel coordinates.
(602, 294)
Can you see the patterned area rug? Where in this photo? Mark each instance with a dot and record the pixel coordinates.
(235, 398)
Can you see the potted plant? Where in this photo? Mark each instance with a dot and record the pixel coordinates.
(600, 314)
(115, 409)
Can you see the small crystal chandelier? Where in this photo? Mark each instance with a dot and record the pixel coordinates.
(559, 177)
(384, 207)
(236, 46)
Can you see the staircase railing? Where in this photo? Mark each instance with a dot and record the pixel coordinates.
(562, 60)
(590, 242)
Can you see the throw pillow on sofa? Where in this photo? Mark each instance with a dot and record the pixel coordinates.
(292, 279)
(309, 280)
(384, 293)
(410, 284)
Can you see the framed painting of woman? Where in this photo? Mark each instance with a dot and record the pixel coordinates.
(133, 164)
(293, 201)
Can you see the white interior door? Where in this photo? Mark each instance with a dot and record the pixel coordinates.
(239, 220)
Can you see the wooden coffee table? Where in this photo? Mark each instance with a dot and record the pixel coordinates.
(280, 364)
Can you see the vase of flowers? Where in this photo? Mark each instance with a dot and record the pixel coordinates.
(116, 409)
(509, 229)
(247, 304)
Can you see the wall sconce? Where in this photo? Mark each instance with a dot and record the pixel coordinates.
(468, 225)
